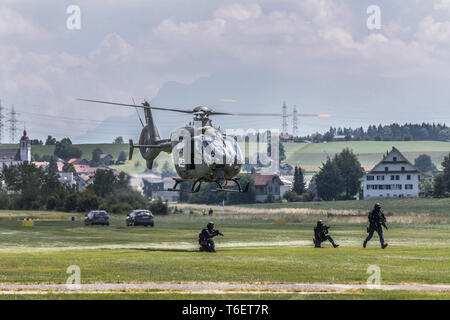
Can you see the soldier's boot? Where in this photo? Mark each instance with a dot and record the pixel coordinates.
(365, 243)
(317, 244)
(333, 243)
(384, 245)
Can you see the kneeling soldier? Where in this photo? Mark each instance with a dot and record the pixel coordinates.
(205, 238)
(321, 235)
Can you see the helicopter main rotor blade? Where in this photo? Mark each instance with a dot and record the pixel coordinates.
(270, 114)
(207, 111)
(143, 106)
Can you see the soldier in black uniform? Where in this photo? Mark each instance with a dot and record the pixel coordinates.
(205, 238)
(321, 235)
(376, 221)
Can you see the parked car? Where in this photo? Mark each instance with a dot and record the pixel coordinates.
(97, 217)
(140, 217)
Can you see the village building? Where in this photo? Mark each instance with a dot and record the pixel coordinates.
(106, 159)
(45, 164)
(392, 177)
(67, 178)
(286, 137)
(266, 184)
(158, 188)
(75, 161)
(288, 184)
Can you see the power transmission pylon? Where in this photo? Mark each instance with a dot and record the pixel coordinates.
(284, 124)
(1, 122)
(12, 125)
(294, 122)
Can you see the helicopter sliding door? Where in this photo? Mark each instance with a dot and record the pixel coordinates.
(191, 165)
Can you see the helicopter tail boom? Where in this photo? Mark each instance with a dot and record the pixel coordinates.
(150, 143)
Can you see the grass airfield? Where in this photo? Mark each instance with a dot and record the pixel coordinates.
(258, 247)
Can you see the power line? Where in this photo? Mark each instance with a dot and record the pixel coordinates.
(12, 125)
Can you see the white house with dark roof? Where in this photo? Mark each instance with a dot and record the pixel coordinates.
(392, 177)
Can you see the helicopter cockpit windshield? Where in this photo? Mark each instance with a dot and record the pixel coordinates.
(219, 149)
(210, 148)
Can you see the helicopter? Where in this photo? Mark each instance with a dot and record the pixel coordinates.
(221, 164)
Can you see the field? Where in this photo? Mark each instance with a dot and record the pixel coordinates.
(266, 245)
(312, 155)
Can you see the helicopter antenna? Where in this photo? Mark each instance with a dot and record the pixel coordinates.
(139, 116)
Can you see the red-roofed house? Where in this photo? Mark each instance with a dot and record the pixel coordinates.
(78, 161)
(45, 164)
(82, 168)
(266, 184)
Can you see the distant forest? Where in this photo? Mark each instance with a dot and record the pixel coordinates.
(392, 132)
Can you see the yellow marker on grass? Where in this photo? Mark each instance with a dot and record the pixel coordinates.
(27, 222)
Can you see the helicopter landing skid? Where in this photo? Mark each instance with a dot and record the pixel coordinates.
(195, 186)
(240, 190)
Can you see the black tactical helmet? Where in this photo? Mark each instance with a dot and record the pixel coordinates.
(377, 206)
(210, 225)
(320, 222)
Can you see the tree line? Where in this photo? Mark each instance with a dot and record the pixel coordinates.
(27, 187)
(391, 132)
(441, 187)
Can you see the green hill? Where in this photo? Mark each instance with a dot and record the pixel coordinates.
(113, 149)
(310, 156)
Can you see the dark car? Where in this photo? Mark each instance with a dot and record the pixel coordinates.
(97, 217)
(140, 217)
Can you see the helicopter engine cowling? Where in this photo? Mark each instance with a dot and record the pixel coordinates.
(147, 137)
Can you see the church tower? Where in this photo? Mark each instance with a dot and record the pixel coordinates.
(25, 147)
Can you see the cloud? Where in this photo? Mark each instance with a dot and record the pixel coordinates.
(239, 12)
(13, 24)
(433, 32)
(442, 5)
(228, 100)
(312, 36)
(270, 39)
(113, 48)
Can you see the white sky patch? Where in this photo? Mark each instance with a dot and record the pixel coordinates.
(442, 5)
(228, 100)
(13, 24)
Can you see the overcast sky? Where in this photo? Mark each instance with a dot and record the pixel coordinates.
(316, 54)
